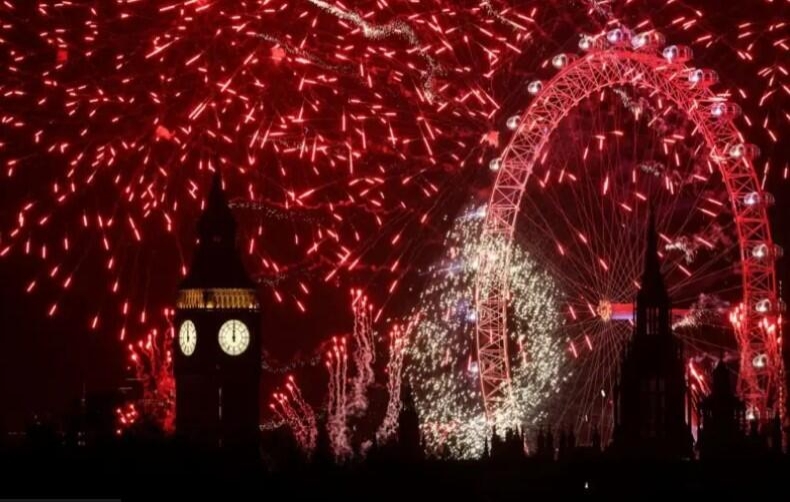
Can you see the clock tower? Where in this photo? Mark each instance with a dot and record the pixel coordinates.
(217, 342)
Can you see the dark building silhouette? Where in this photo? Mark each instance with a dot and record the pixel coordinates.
(496, 443)
(596, 440)
(217, 345)
(722, 419)
(409, 440)
(42, 434)
(544, 445)
(323, 456)
(507, 450)
(567, 449)
(650, 401)
(549, 450)
(776, 434)
(567, 445)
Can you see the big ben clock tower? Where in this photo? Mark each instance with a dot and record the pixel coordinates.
(217, 342)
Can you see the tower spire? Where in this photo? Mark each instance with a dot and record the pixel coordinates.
(653, 307)
(652, 287)
(216, 262)
(217, 222)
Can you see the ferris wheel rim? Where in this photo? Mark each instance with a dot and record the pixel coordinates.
(580, 78)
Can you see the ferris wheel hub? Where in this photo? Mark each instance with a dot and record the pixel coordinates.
(604, 310)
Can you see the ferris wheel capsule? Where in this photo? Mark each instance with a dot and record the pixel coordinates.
(763, 306)
(756, 198)
(677, 53)
(586, 42)
(763, 251)
(703, 78)
(512, 122)
(562, 60)
(534, 87)
(495, 164)
(747, 151)
(619, 37)
(648, 40)
(724, 110)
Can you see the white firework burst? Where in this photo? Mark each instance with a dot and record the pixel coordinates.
(442, 366)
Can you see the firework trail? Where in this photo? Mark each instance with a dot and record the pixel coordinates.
(708, 309)
(307, 414)
(292, 409)
(152, 359)
(393, 29)
(114, 116)
(399, 341)
(289, 416)
(364, 353)
(126, 416)
(337, 403)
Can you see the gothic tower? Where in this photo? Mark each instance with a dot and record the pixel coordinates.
(650, 402)
(217, 345)
(722, 419)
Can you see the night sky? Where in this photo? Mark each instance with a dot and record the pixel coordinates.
(45, 361)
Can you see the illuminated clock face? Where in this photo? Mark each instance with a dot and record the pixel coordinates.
(234, 337)
(187, 337)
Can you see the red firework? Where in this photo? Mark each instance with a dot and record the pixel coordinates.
(342, 131)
